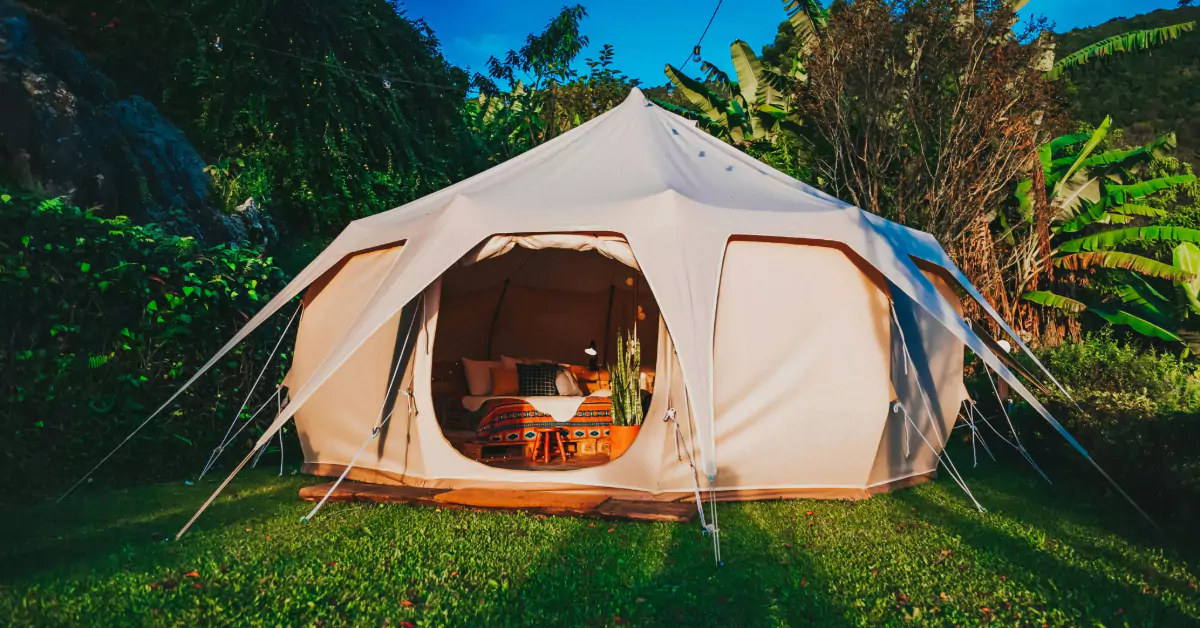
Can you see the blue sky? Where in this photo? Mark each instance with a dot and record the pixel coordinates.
(647, 34)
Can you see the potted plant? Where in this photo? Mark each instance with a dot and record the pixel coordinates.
(626, 394)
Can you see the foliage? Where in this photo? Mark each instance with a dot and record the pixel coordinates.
(1136, 410)
(624, 381)
(927, 113)
(545, 95)
(329, 111)
(506, 124)
(1130, 41)
(1042, 555)
(1151, 94)
(103, 321)
(1096, 199)
(759, 105)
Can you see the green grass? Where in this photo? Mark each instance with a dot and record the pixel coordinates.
(1042, 555)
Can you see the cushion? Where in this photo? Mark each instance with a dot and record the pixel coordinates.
(504, 381)
(479, 375)
(538, 380)
(566, 383)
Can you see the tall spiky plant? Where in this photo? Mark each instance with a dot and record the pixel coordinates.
(624, 379)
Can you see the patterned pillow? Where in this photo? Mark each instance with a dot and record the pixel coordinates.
(537, 380)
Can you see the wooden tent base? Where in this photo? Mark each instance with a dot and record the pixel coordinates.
(543, 502)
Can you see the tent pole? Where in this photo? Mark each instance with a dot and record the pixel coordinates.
(608, 320)
(215, 493)
(496, 317)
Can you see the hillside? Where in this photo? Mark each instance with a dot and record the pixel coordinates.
(1146, 93)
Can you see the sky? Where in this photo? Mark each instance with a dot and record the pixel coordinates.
(647, 34)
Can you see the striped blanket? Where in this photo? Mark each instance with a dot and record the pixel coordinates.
(507, 420)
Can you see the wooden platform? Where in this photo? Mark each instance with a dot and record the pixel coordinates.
(563, 503)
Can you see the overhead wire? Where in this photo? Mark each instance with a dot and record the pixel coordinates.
(695, 48)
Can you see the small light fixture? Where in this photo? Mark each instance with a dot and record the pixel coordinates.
(592, 353)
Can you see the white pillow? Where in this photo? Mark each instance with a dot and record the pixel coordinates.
(566, 383)
(479, 375)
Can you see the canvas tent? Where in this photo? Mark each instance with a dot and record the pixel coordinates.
(802, 344)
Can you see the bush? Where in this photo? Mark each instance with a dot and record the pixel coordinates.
(1137, 411)
(102, 321)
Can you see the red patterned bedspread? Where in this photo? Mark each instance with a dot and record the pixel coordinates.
(506, 420)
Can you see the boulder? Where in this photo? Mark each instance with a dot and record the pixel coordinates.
(65, 131)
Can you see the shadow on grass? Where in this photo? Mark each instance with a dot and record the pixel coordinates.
(1036, 563)
(86, 530)
(664, 574)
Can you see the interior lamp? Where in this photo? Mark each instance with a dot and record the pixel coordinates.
(592, 353)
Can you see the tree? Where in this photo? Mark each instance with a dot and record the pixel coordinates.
(545, 95)
(323, 111)
(535, 71)
(927, 113)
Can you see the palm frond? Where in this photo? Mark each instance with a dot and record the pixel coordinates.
(1132, 41)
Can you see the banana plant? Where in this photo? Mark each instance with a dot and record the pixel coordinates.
(1132, 41)
(1098, 204)
(758, 105)
(1121, 43)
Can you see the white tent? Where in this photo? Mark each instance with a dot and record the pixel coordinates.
(804, 345)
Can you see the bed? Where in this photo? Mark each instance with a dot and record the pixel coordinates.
(513, 419)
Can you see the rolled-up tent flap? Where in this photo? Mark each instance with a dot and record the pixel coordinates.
(612, 247)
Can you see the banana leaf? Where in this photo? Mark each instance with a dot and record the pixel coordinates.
(1141, 325)
(1134, 209)
(1057, 301)
(1121, 194)
(807, 18)
(1141, 295)
(748, 69)
(697, 93)
(1122, 43)
(1091, 213)
(1097, 136)
(1119, 259)
(1107, 240)
(1186, 257)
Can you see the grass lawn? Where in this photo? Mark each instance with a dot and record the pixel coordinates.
(1042, 555)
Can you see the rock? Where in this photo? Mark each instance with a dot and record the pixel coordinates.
(65, 130)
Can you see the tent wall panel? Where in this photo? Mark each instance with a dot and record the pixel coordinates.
(936, 373)
(801, 367)
(338, 417)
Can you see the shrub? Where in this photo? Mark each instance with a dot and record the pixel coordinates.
(1137, 411)
(102, 321)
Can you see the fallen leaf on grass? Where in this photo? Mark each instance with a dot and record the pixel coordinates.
(945, 552)
(405, 603)
(192, 574)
